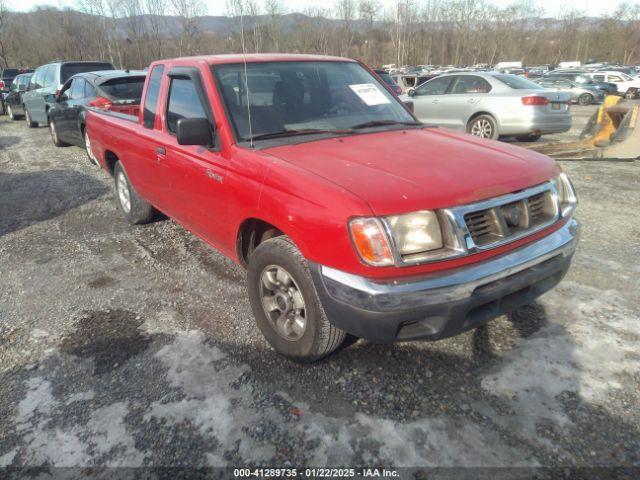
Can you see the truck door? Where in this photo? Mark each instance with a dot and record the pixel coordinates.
(194, 176)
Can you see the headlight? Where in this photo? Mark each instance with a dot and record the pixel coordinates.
(412, 233)
(566, 194)
(416, 232)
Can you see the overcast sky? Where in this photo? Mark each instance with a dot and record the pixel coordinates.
(217, 7)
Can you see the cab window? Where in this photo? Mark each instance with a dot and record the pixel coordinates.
(184, 102)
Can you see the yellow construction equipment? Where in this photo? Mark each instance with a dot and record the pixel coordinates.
(613, 132)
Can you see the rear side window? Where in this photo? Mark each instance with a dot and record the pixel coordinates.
(126, 88)
(50, 76)
(38, 78)
(68, 70)
(151, 98)
(77, 88)
(89, 90)
(184, 102)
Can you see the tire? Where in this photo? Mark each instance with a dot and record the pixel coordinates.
(27, 117)
(87, 147)
(483, 126)
(12, 115)
(136, 210)
(631, 94)
(280, 284)
(53, 130)
(529, 138)
(586, 99)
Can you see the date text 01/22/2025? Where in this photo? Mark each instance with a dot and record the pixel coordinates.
(315, 472)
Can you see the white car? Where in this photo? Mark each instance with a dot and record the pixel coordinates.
(627, 85)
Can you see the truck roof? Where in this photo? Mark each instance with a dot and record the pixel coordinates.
(255, 57)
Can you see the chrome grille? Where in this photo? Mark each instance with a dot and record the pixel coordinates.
(503, 222)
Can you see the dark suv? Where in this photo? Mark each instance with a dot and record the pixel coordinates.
(6, 79)
(47, 81)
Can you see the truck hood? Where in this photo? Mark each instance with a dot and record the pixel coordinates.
(415, 169)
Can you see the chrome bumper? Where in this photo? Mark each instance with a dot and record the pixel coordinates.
(353, 301)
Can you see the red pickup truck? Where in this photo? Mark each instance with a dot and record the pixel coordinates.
(350, 215)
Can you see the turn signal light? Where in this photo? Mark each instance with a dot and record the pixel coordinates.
(371, 241)
(535, 100)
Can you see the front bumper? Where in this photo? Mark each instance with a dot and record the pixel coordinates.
(444, 304)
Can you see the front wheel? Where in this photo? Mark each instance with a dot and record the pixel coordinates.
(135, 209)
(483, 126)
(631, 94)
(11, 114)
(286, 305)
(585, 99)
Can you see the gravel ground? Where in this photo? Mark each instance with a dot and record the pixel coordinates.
(124, 346)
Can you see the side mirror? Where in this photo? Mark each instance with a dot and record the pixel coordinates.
(194, 131)
(411, 92)
(22, 88)
(409, 105)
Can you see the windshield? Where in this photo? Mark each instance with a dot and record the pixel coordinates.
(517, 83)
(305, 96)
(125, 88)
(68, 70)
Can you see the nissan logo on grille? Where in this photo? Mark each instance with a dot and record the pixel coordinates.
(513, 214)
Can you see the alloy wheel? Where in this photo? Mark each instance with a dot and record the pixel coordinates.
(482, 128)
(124, 196)
(283, 303)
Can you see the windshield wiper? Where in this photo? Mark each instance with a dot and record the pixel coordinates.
(382, 123)
(293, 132)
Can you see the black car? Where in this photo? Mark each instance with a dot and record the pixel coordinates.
(583, 80)
(13, 100)
(115, 90)
(6, 79)
(46, 81)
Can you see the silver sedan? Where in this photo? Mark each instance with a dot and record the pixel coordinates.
(492, 104)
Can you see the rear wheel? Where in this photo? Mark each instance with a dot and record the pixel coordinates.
(87, 147)
(586, 99)
(483, 126)
(27, 117)
(53, 130)
(529, 138)
(286, 305)
(12, 115)
(135, 209)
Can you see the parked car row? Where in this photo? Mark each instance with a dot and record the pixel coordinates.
(350, 215)
(58, 94)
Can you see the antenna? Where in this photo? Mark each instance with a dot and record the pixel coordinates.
(246, 80)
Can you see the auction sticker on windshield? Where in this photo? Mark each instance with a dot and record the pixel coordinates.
(369, 94)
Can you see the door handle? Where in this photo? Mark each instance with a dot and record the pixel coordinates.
(436, 101)
(161, 151)
(471, 100)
